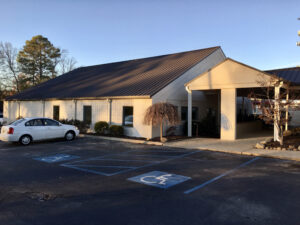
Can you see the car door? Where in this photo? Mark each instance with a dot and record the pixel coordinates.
(53, 129)
(36, 129)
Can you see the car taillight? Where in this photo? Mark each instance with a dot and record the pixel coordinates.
(10, 130)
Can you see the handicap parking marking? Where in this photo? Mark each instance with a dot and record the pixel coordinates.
(56, 158)
(220, 176)
(159, 179)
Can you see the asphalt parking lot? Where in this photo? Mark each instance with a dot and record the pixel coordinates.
(92, 181)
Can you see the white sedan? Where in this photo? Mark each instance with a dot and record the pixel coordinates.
(28, 130)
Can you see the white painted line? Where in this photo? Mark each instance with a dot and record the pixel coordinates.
(163, 161)
(73, 164)
(96, 166)
(220, 176)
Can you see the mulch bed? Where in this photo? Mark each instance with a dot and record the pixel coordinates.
(291, 143)
(171, 138)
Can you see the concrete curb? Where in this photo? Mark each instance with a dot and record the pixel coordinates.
(123, 140)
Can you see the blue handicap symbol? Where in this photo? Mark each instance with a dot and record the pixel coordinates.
(159, 179)
(56, 158)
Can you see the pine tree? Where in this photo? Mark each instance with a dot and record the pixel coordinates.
(38, 59)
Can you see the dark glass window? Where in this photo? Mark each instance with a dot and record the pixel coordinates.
(184, 113)
(87, 114)
(56, 112)
(49, 122)
(35, 122)
(128, 116)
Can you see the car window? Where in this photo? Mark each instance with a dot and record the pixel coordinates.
(35, 122)
(49, 122)
(17, 122)
(1, 116)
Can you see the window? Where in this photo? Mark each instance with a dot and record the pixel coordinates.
(128, 116)
(36, 122)
(48, 122)
(87, 114)
(17, 122)
(184, 113)
(56, 112)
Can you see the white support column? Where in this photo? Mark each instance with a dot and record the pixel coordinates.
(287, 110)
(276, 112)
(190, 105)
(228, 114)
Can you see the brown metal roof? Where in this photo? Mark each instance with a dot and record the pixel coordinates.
(139, 77)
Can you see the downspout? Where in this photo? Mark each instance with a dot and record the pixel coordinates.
(19, 106)
(109, 110)
(43, 108)
(75, 109)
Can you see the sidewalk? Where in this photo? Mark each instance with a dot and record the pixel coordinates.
(240, 146)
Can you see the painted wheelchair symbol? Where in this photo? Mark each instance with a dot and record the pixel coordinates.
(156, 179)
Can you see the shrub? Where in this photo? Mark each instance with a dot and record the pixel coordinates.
(82, 126)
(116, 130)
(100, 127)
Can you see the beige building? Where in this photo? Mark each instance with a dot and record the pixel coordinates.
(203, 84)
(111, 92)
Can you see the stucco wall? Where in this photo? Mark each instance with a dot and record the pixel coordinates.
(228, 74)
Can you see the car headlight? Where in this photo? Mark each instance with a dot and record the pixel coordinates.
(76, 128)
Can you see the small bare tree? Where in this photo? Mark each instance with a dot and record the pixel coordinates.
(161, 113)
(275, 104)
(67, 64)
(9, 66)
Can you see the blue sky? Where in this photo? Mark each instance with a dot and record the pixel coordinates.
(260, 33)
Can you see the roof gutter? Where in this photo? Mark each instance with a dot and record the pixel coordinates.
(83, 98)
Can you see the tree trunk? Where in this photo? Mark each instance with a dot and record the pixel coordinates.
(281, 135)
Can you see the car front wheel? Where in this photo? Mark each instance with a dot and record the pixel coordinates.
(70, 136)
(25, 140)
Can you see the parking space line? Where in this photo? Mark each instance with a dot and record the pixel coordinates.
(121, 160)
(220, 176)
(163, 161)
(126, 169)
(86, 170)
(121, 167)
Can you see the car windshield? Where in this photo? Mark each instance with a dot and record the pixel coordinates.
(17, 122)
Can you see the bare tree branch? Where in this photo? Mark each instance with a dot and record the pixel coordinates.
(9, 66)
